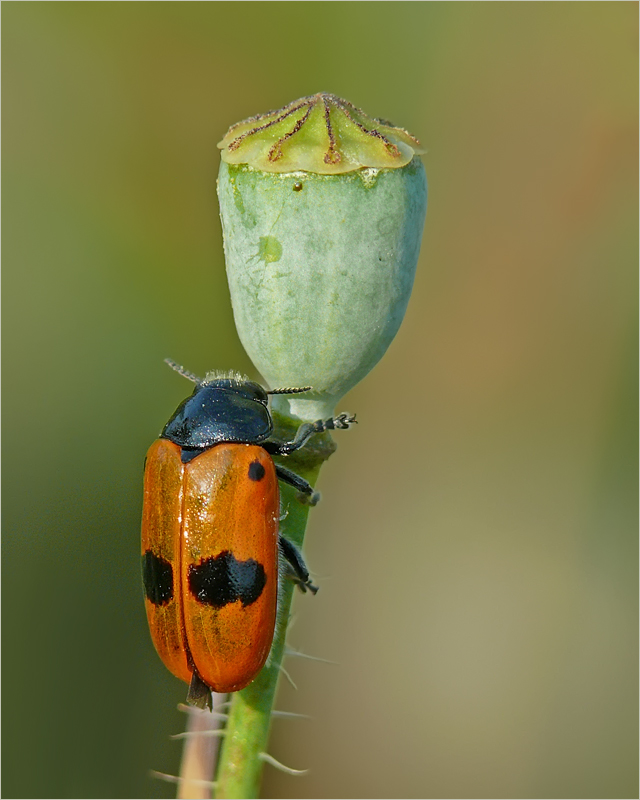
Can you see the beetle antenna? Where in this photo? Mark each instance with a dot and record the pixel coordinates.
(290, 390)
(184, 372)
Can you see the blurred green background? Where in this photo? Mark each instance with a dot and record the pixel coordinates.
(476, 545)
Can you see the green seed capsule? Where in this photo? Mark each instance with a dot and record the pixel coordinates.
(322, 211)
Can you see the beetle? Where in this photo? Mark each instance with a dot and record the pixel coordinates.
(211, 547)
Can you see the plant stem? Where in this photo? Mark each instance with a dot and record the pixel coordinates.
(199, 752)
(247, 733)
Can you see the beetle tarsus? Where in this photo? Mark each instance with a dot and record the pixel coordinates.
(309, 499)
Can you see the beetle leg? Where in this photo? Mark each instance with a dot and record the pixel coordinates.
(297, 568)
(310, 496)
(199, 694)
(306, 431)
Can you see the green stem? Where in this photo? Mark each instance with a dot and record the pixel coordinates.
(247, 733)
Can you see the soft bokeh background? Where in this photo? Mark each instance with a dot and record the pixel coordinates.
(476, 545)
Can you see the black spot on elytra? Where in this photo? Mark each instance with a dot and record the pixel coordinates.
(223, 579)
(256, 471)
(297, 186)
(157, 576)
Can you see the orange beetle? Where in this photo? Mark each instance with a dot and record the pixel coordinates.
(210, 540)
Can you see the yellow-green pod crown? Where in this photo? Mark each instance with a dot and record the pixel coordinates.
(322, 134)
(322, 213)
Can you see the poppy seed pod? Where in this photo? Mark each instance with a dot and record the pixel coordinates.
(322, 213)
